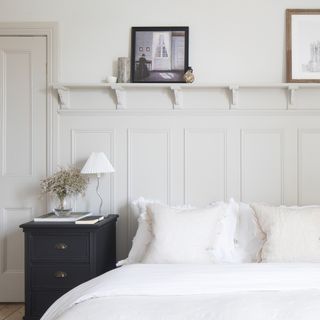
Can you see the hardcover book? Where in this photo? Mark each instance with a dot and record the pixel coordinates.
(72, 217)
(90, 220)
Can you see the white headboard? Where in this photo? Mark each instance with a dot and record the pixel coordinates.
(250, 142)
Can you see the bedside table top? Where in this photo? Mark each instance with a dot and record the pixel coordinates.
(69, 225)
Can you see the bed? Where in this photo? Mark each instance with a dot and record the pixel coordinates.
(188, 263)
(229, 292)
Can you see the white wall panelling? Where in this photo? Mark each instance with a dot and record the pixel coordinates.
(262, 165)
(179, 156)
(205, 165)
(83, 142)
(149, 167)
(308, 165)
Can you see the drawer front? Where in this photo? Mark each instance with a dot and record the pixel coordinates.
(60, 247)
(59, 276)
(42, 300)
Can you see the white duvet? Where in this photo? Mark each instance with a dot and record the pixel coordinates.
(217, 292)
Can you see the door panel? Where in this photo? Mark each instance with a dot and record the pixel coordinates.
(23, 89)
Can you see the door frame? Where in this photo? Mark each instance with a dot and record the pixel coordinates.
(50, 31)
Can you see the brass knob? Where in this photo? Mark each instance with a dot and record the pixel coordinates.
(61, 246)
(60, 274)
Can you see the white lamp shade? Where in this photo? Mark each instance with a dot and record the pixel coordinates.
(97, 163)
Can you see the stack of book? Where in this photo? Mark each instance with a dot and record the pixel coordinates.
(76, 217)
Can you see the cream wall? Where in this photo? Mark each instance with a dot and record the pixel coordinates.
(230, 40)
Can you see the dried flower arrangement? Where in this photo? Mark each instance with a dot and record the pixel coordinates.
(65, 182)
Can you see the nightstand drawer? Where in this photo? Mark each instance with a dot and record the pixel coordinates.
(60, 276)
(60, 247)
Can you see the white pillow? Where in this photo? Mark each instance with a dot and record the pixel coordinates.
(143, 235)
(248, 237)
(183, 236)
(243, 234)
(225, 250)
(292, 234)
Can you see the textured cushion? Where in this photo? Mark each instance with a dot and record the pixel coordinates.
(240, 226)
(225, 249)
(183, 236)
(248, 237)
(143, 235)
(291, 234)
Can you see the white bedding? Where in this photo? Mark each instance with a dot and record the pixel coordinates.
(219, 292)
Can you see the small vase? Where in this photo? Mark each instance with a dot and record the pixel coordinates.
(63, 209)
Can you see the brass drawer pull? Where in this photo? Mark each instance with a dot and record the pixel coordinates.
(61, 246)
(60, 274)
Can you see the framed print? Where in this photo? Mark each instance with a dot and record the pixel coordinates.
(159, 54)
(303, 45)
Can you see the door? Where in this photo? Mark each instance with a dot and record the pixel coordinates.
(23, 90)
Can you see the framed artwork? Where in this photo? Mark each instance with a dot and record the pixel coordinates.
(303, 45)
(159, 54)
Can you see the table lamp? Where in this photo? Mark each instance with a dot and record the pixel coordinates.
(98, 164)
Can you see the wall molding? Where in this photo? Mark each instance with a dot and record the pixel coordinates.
(177, 102)
(155, 112)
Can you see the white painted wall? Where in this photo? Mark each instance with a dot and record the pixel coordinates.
(230, 40)
(258, 151)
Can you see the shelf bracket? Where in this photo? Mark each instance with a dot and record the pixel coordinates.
(178, 97)
(292, 95)
(121, 96)
(64, 96)
(234, 95)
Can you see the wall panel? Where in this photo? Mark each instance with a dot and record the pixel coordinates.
(308, 166)
(148, 166)
(262, 166)
(205, 166)
(83, 142)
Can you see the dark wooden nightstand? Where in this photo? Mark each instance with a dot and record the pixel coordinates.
(60, 256)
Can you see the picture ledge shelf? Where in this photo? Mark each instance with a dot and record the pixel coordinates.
(63, 90)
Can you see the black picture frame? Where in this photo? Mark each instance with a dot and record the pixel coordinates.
(145, 67)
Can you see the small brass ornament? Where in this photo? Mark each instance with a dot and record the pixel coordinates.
(189, 76)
